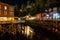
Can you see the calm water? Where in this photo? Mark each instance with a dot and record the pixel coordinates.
(28, 33)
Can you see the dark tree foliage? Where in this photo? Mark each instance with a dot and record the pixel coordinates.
(36, 6)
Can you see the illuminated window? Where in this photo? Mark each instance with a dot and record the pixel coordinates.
(5, 19)
(56, 15)
(5, 7)
(5, 12)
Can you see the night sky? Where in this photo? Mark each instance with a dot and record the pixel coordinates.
(13, 2)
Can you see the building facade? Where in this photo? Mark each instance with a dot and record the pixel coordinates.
(6, 12)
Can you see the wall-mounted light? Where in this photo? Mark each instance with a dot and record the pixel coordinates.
(5, 7)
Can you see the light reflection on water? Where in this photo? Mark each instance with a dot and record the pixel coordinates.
(28, 31)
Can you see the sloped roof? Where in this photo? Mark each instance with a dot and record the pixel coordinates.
(11, 2)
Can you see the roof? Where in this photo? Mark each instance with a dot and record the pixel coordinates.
(6, 4)
(10, 2)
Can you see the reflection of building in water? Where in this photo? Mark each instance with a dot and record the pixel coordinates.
(6, 12)
(14, 28)
(18, 28)
(11, 29)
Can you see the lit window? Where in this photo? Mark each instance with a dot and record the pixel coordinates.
(5, 7)
(5, 12)
(56, 15)
(5, 18)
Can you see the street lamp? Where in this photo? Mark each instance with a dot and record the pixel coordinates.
(21, 10)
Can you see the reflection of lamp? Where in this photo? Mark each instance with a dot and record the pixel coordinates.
(28, 30)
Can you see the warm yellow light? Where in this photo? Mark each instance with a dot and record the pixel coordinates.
(10, 18)
(56, 30)
(22, 32)
(21, 10)
(28, 30)
(32, 18)
(5, 7)
(27, 16)
(3, 18)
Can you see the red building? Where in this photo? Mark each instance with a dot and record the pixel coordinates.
(40, 16)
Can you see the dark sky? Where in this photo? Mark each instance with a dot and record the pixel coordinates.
(13, 2)
(9, 1)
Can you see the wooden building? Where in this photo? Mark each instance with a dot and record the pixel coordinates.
(6, 12)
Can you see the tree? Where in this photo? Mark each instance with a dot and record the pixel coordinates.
(36, 6)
